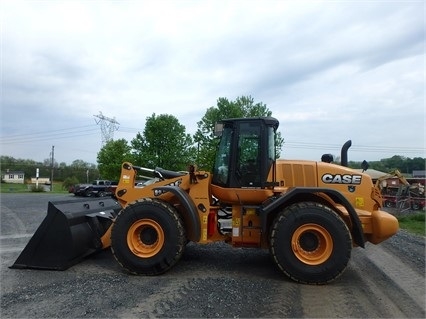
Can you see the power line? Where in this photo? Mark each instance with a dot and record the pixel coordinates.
(360, 148)
(44, 136)
(71, 132)
(49, 132)
(129, 129)
(86, 130)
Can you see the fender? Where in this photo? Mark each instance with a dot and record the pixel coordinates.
(357, 233)
(189, 214)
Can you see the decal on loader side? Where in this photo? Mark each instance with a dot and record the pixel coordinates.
(341, 179)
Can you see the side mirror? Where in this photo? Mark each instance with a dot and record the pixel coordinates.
(327, 158)
(364, 165)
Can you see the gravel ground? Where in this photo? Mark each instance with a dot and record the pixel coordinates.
(215, 281)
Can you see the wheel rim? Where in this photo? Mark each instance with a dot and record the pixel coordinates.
(312, 244)
(145, 238)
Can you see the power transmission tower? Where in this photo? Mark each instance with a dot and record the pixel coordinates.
(108, 126)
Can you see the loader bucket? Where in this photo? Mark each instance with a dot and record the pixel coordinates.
(70, 231)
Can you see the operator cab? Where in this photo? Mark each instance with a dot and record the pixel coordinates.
(246, 152)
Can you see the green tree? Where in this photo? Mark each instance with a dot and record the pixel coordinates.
(83, 171)
(27, 166)
(243, 106)
(404, 164)
(69, 181)
(164, 143)
(418, 164)
(80, 164)
(110, 158)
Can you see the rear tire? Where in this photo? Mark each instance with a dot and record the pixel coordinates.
(148, 237)
(310, 243)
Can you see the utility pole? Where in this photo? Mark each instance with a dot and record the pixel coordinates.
(51, 168)
(108, 126)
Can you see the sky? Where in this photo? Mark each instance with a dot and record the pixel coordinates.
(330, 71)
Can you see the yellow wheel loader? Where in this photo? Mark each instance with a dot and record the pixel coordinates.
(308, 214)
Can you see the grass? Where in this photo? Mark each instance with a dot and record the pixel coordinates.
(414, 223)
(27, 188)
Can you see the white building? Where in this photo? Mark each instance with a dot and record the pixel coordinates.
(16, 177)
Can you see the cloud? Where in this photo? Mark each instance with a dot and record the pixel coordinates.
(328, 71)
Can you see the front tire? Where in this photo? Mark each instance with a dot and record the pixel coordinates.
(148, 237)
(310, 243)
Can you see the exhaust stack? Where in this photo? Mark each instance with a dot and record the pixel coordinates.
(344, 153)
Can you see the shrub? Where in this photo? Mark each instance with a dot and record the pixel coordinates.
(68, 182)
(37, 189)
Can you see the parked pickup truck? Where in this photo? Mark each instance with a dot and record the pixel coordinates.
(98, 188)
